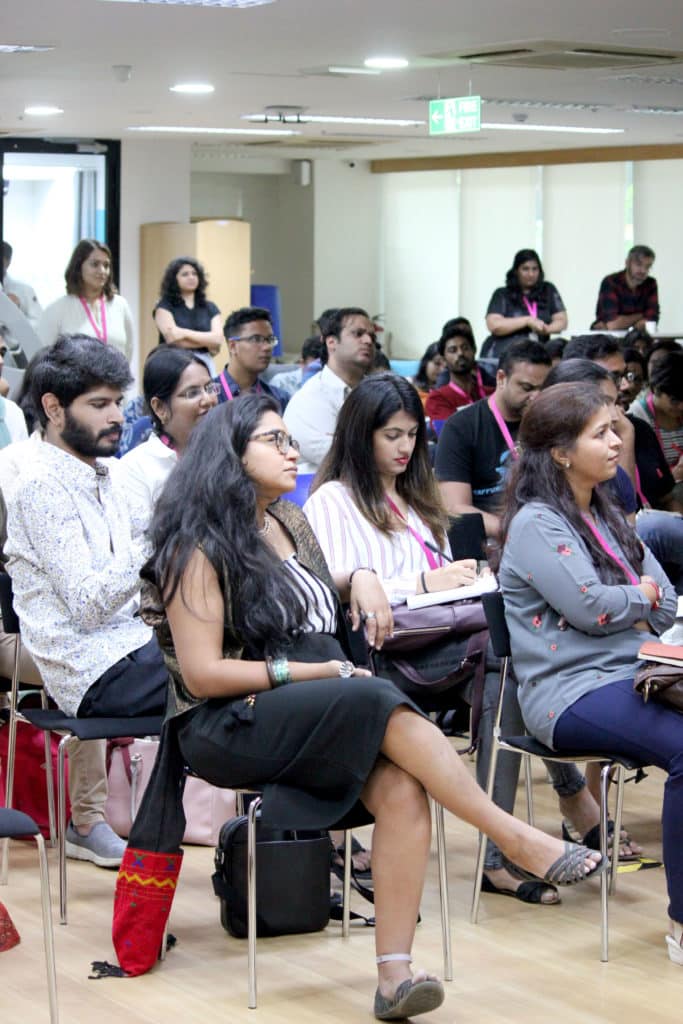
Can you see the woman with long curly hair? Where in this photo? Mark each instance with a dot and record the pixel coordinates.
(184, 315)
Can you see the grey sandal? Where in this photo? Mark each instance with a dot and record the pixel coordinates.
(410, 998)
(568, 869)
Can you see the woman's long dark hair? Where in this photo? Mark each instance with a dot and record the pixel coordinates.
(350, 459)
(554, 420)
(420, 379)
(209, 502)
(169, 290)
(512, 281)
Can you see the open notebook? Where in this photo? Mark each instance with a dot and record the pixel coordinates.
(484, 585)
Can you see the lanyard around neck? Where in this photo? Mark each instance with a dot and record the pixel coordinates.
(630, 576)
(431, 561)
(461, 391)
(100, 333)
(532, 307)
(503, 427)
(226, 387)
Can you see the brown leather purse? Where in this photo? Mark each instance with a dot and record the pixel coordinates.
(660, 682)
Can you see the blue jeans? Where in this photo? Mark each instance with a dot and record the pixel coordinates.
(663, 534)
(615, 719)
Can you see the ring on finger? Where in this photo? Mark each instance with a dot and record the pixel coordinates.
(370, 615)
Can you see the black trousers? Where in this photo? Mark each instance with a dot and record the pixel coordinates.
(136, 685)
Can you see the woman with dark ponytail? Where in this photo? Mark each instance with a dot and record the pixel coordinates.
(582, 594)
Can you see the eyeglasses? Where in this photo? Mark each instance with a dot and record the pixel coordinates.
(192, 394)
(633, 378)
(282, 441)
(616, 377)
(257, 339)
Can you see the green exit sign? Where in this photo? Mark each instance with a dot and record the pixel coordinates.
(458, 114)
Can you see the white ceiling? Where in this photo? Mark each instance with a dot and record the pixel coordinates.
(259, 56)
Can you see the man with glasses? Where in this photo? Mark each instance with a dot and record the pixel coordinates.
(249, 334)
(349, 346)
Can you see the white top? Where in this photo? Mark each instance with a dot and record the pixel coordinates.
(74, 551)
(311, 416)
(28, 300)
(350, 542)
(67, 316)
(14, 418)
(144, 470)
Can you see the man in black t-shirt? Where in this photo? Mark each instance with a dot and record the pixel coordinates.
(473, 454)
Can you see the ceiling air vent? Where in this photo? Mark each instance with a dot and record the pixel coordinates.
(561, 56)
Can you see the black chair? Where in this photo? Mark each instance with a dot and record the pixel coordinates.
(54, 720)
(13, 825)
(612, 765)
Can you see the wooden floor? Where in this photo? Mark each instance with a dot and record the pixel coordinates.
(520, 963)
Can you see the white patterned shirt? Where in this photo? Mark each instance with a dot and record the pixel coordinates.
(75, 547)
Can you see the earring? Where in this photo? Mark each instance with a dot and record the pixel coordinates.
(567, 464)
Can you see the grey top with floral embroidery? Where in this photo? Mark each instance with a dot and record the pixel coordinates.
(570, 633)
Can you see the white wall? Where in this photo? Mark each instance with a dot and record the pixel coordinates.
(658, 222)
(155, 186)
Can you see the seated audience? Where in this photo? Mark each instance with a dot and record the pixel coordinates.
(178, 392)
(477, 445)
(349, 346)
(659, 349)
(87, 760)
(12, 422)
(249, 334)
(634, 378)
(527, 306)
(184, 315)
(555, 348)
(662, 408)
(581, 595)
(74, 549)
(628, 298)
(465, 385)
(91, 305)
(277, 653)
(21, 293)
(375, 511)
(290, 381)
(431, 366)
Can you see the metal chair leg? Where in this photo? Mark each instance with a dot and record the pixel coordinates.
(49, 778)
(443, 892)
(61, 837)
(251, 899)
(604, 881)
(48, 936)
(346, 885)
(619, 774)
(11, 755)
(529, 789)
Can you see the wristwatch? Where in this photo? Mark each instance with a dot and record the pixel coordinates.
(346, 669)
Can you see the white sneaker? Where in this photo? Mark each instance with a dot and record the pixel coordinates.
(674, 942)
(102, 846)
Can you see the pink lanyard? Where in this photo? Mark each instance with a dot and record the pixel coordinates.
(460, 391)
(532, 307)
(503, 427)
(639, 491)
(608, 551)
(101, 335)
(228, 392)
(165, 439)
(431, 561)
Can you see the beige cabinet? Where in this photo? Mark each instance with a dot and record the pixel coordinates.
(223, 247)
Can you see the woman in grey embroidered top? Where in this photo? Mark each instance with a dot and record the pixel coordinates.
(581, 595)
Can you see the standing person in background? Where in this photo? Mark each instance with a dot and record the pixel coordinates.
(249, 334)
(184, 315)
(91, 305)
(465, 386)
(349, 346)
(21, 294)
(628, 298)
(12, 422)
(431, 365)
(527, 307)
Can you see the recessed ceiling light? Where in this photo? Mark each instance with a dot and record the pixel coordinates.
(571, 129)
(341, 70)
(23, 48)
(386, 63)
(188, 130)
(395, 122)
(200, 3)
(42, 111)
(193, 88)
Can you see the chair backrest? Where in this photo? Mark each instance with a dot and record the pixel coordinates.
(10, 620)
(494, 609)
(467, 536)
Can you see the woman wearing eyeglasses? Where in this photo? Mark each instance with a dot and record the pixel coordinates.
(178, 393)
(263, 693)
(249, 334)
(184, 315)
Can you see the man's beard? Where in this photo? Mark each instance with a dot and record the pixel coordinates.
(84, 442)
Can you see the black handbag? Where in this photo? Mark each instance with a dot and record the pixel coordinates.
(292, 879)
